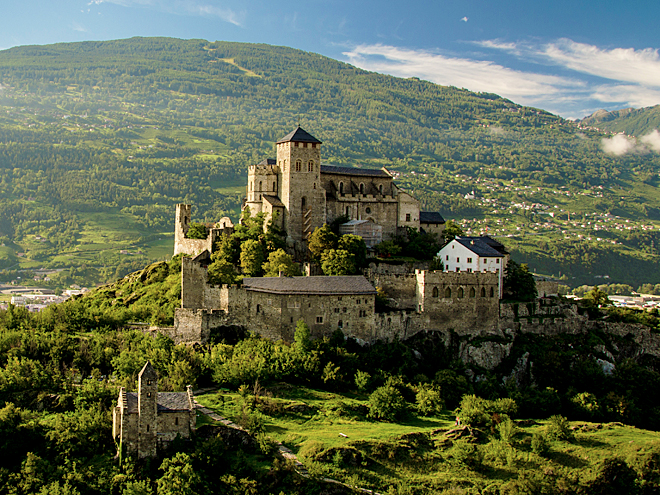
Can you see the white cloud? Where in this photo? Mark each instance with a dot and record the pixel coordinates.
(464, 19)
(652, 140)
(77, 27)
(619, 64)
(618, 145)
(182, 7)
(476, 75)
(621, 144)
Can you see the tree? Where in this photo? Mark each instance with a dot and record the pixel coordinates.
(252, 257)
(179, 477)
(301, 337)
(197, 231)
(597, 298)
(222, 272)
(338, 262)
(321, 240)
(279, 261)
(519, 283)
(387, 403)
(450, 232)
(355, 245)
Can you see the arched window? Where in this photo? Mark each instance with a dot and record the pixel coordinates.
(461, 293)
(310, 166)
(380, 189)
(492, 292)
(260, 185)
(435, 292)
(483, 292)
(348, 211)
(258, 308)
(340, 324)
(298, 165)
(341, 188)
(303, 203)
(361, 188)
(448, 292)
(473, 293)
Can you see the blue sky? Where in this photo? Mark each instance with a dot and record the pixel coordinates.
(568, 57)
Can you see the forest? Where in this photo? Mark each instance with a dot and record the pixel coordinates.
(100, 140)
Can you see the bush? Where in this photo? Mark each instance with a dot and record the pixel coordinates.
(540, 444)
(508, 431)
(559, 428)
(429, 400)
(362, 380)
(387, 403)
(475, 411)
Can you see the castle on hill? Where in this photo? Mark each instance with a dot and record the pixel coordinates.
(300, 194)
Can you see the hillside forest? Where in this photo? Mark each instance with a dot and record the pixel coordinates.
(100, 140)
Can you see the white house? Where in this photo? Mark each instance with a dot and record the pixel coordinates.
(474, 254)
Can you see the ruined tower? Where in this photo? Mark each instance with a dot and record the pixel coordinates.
(299, 162)
(147, 411)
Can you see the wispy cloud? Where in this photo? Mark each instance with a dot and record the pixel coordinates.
(628, 77)
(476, 75)
(182, 7)
(77, 27)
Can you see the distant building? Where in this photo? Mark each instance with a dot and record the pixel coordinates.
(145, 420)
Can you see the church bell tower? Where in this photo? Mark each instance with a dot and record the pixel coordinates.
(299, 161)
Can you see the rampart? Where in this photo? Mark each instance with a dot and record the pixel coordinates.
(193, 247)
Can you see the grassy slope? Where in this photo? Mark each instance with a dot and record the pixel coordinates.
(416, 454)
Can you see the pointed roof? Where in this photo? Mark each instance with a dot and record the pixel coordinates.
(299, 135)
(148, 371)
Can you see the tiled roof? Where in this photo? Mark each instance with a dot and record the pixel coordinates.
(430, 217)
(490, 241)
(273, 200)
(346, 284)
(365, 172)
(479, 246)
(167, 401)
(267, 161)
(173, 401)
(299, 135)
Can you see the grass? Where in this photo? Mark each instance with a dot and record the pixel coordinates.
(415, 453)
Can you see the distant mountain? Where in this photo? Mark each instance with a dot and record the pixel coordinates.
(632, 121)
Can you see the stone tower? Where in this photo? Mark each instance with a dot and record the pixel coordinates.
(262, 181)
(147, 411)
(299, 162)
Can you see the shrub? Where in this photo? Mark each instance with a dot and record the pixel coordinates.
(429, 400)
(387, 403)
(362, 380)
(540, 444)
(558, 428)
(508, 431)
(475, 411)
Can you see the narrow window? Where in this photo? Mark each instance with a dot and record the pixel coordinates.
(497, 261)
(492, 292)
(348, 211)
(147, 428)
(473, 293)
(298, 165)
(407, 217)
(340, 324)
(483, 292)
(380, 188)
(458, 260)
(176, 421)
(469, 260)
(260, 185)
(319, 319)
(258, 308)
(310, 166)
(447, 257)
(435, 292)
(361, 188)
(448, 292)
(274, 186)
(460, 292)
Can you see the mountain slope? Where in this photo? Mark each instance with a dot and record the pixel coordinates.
(99, 141)
(632, 121)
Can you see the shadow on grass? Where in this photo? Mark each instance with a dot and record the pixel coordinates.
(567, 460)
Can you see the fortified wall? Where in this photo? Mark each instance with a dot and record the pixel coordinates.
(182, 222)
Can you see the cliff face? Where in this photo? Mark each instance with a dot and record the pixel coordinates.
(541, 338)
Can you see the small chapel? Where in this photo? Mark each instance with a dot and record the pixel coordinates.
(147, 420)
